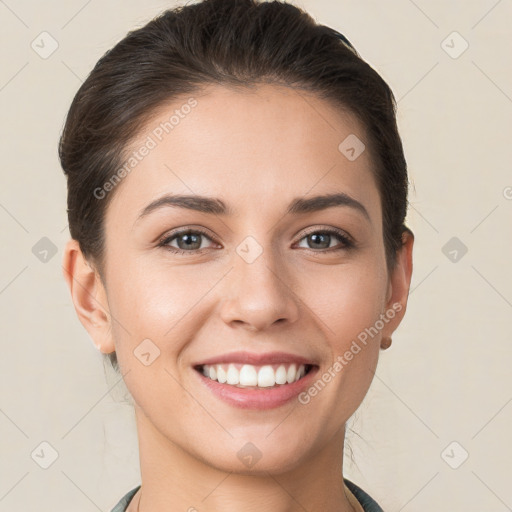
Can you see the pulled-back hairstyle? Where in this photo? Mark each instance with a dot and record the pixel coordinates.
(236, 43)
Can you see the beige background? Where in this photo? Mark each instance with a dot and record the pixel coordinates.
(447, 376)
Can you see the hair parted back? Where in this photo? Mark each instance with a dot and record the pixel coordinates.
(236, 43)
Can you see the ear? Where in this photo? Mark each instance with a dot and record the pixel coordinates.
(88, 295)
(399, 284)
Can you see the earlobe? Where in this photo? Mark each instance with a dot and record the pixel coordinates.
(88, 296)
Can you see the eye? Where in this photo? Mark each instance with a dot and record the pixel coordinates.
(321, 239)
(188, 241)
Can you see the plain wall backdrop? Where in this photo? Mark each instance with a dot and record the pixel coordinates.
(433, 433)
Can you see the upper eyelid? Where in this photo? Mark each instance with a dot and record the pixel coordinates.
(181, 231)
(337, 231)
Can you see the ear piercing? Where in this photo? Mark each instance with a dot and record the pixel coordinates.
(385, 342)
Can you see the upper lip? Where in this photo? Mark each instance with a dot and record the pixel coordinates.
(256, 359)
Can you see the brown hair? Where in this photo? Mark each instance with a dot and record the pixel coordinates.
(232, 43)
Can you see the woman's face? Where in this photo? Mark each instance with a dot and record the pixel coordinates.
(262, 279)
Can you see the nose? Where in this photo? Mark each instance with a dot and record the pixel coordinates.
(258, 294)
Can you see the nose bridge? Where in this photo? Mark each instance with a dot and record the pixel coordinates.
(258, 291)
(257, 265)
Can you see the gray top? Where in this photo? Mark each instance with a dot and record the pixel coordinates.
(368, 503)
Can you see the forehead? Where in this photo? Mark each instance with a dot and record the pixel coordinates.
(264, 145)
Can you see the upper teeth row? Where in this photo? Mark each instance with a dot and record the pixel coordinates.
(249, 375)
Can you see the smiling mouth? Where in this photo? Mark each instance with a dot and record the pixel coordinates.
(255, 376)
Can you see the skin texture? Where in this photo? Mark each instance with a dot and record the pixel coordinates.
(256, 150)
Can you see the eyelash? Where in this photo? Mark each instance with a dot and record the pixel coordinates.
(346, 244)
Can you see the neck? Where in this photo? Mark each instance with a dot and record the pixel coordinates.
(173, 479)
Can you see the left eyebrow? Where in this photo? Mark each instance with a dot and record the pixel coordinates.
(216, 206)
(316, 203)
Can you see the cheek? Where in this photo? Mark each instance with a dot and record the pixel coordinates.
(154, 298)
(347, 299)
(157, 303)
(349, 305)
(150, 305)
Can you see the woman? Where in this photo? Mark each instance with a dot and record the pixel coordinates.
(237, 192)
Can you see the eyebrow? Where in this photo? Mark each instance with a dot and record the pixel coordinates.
(216, 206)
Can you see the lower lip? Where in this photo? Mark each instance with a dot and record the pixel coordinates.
(262, 398)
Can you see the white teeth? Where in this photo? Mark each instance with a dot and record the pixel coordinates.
(281, 375)
(233, 375)
(290, 375)
(221, 374)
(266, 377)
(248, 375)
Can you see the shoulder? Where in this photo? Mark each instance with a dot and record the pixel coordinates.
(367, 502)
(125, 500)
